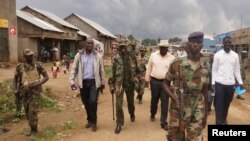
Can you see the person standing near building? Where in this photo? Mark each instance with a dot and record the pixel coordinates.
(140, 80)
(124, 70)
(226, 68)
(181, 52)
(157, 68)
(243, 67)
(88, 70)
(30, 87)
(188, 92)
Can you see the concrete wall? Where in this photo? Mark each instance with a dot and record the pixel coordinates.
(8, 12)
(24, 43)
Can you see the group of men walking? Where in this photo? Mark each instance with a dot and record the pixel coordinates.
(184, 79)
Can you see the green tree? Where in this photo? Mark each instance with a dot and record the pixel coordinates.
(175, 39)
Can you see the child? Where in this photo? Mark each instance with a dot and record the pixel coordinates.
(54, 70)
(58, 64)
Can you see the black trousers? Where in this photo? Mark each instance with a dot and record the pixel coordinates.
(223, 97)
(89, 95)
(156, 94)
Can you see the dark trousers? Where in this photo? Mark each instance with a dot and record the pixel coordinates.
(119, 103)
(223, 97)
(89, 95)
(156, 94)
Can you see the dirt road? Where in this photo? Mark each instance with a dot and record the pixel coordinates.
(71, 110)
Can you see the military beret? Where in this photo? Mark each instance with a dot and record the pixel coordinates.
(27, 52)
(196, 35)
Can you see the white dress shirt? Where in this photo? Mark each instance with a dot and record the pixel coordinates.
(158, 65)
(226, 68)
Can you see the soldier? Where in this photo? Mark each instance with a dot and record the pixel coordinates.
(122, 79)
(189, 74)
(28, 74)
(133, 51)
(140, 80)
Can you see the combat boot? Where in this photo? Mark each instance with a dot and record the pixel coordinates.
(132, 118)
(33, 132)
(118, 128)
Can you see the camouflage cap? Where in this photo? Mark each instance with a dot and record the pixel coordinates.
(142, 48)
(27, 52)
(133, 43)
(121, 44)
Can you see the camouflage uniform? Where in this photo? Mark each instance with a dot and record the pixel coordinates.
(140, 80)
(122, 79)
(29, 74)
(194, 83)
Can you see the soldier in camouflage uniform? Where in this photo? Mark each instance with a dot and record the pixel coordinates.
(140, 79)
(30, 87)
(191, 72)
(133, 51)
(122, 80)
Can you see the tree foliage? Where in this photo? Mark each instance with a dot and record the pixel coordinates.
(175, 39)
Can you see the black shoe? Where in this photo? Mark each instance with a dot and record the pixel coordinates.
(152, 118)
(94, 128)
(132, 118)
(164, 126)
(118, 129)
(140, 101)
(137, 97)
(88, 125)
(240, 97)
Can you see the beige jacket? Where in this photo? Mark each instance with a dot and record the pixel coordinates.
(76, 72)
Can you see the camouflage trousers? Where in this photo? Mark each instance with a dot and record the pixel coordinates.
(194, 112)
(119, 103)
(140, 85)
(31, 106)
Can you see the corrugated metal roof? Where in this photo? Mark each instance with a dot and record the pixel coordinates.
(83, 33)
(96, 26)
(37, 22)
(54, 17)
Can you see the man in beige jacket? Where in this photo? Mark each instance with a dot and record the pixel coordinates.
(87, 73)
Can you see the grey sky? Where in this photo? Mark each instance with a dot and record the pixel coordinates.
(154, 18)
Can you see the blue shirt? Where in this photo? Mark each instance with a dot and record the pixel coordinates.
(88, 65)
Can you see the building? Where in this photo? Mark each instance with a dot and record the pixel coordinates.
(34, 33)
(66, 42)
(209, 44)
(8, 31)
(94, 30)
(241, 40)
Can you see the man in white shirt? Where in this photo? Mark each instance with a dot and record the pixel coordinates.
(226, 68)
(157, 68)
(181, 52)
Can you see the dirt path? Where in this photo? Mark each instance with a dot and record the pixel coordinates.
(141, 130)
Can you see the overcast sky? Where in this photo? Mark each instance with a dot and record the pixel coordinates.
(154, 18)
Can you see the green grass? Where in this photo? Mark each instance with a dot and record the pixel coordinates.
(7, 103)
(70, 125)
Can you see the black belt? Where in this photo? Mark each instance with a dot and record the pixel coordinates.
(156, 79)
